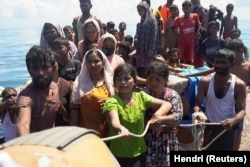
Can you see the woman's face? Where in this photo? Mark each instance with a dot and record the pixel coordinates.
(124, 83)
(108, 47)
(141, 11)
(51, 34)
(94, 64)
(91, 33)
(156, 83)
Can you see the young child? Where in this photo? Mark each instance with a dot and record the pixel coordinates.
(159, 147)
(124, 50)
(229, 22)
(121, 33)
(69, 33)
(91, 34)
(68, 68)
(125, 113)
(171, 37)
(187, 27)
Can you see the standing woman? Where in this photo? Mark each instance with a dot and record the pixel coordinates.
(91, 34)
(147, 41)
(159, 146)
(108, 44)
(91, 88)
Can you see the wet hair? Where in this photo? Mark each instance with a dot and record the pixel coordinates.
(60, 41)
(226, 54)
(38, 55)
(211, 23)
(95, 51)
(186, 3)
(68, 28)
(125, 69)
(5, 92)
(159, 68)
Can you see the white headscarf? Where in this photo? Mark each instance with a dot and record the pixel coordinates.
(96, 26)
(83, 83)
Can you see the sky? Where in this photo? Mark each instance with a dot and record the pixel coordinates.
(33, 13)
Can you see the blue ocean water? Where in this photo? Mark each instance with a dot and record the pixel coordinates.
(16, 41)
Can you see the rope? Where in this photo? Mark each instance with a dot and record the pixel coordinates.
(195, 134)
(132, 134)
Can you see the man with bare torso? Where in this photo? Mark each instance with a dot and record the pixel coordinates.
(229, 22)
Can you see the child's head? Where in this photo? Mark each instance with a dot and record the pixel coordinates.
(91, 30)
(174, 54)
(124, 48)
(174, 10)
(129, 39)
(115, 33)
(122, 26)
(235, 33)
(230, 8)
(110, 26)
(125, 77)
(186, 7)
(68, 31)
(157, 76)
(213, 27)
(62, 47)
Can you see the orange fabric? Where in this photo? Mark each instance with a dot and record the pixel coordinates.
(165, 13)
(91, 116)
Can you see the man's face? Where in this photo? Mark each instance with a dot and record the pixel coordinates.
(221, 66)
(41, 74)
(85, 7)
(51, 34)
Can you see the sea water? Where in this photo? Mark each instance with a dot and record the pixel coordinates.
(16, 41)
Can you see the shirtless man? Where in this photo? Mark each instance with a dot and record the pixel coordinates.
(229, 22)
(225, 101)
(78, 21)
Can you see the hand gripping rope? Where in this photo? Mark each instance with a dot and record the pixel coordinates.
(198, 128)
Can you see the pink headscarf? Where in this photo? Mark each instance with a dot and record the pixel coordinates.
(114, 59)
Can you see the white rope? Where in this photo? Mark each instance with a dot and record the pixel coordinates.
(197, 137)
(132, 134)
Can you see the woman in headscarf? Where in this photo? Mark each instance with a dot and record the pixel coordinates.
(107, 43)
(92, 87)
(147, 42)
(50, 32)
(91, 34)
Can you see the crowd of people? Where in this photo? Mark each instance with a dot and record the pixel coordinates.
(95, 76)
